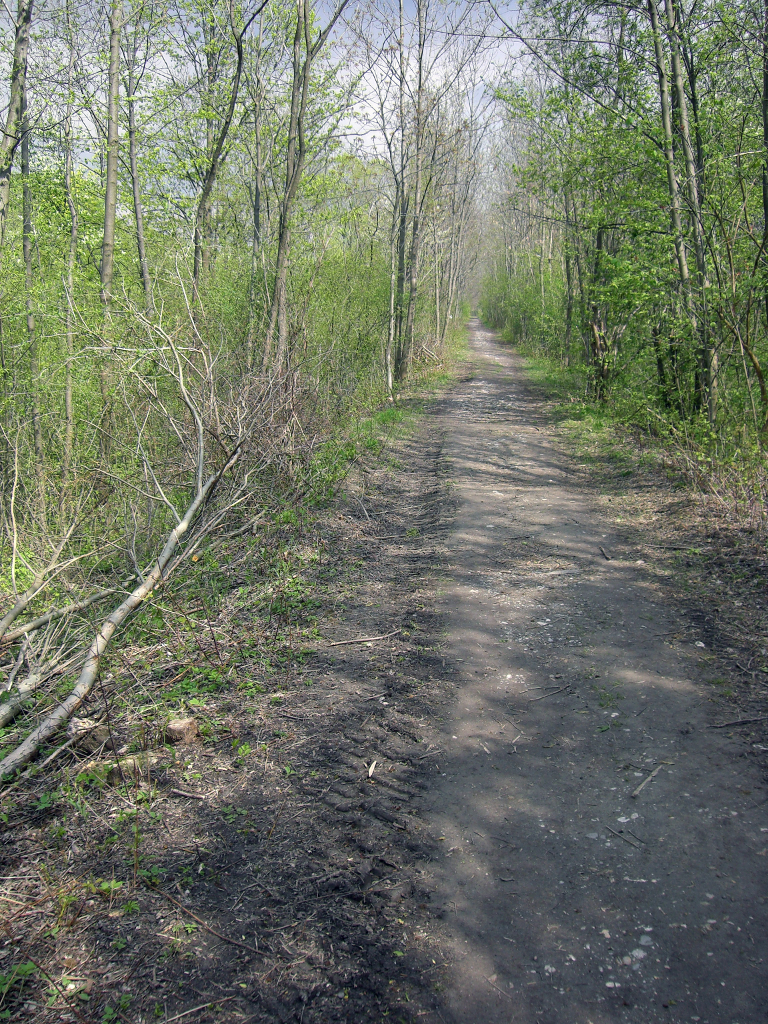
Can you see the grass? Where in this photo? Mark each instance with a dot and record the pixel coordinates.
(624, 431)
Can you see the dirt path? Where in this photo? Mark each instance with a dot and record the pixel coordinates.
(564, 897)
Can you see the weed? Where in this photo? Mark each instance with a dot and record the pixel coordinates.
(110, 887)
(203, 680)
(248, 686)
(131, 907)
(46, 800)
(389, 416)
(152, 874)
(17, 975)
(112, 1013)
(608, 697)
(230, 813)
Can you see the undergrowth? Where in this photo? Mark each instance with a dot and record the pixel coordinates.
(623, 433)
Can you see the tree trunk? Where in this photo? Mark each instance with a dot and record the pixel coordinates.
(113, 145)
(256, 208)
(294, 167)
(389, 350)
(110, 217)
(406, 353)
(69, 418)
(708, 355)
(138, 207)
(294, 163)
(669, 157)
(32, 339)
(437, 284)
(764, 111)
(216, 150)
(12, 134)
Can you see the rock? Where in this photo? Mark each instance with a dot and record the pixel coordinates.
(181, 730)
(88, 735)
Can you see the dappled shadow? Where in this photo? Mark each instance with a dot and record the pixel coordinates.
(565, 898)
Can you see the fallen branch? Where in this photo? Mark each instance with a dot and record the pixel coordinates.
(70, 742)
(27, 750)
(55, 613)
(620, 836)
(11, 707)
(550, 694)
(213, 1001)
(16, 666)
(39, 583)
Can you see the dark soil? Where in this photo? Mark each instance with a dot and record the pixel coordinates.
(436, 825)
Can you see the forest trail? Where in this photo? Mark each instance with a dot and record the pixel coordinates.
(565, 899)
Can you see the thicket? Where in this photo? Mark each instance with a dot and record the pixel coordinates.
(631, 221)
(225, 233)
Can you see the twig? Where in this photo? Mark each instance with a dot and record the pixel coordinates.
(190, 796)
(740, 721)
(277, 816)
(620, 836)
(365, 639)
(66, 708)
(550, 694)
(637, 837)
(645, 782)
(606, 556)
(109, 728)
(17, 665)
(204, 1006)
(499, 990)
(224, 938)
